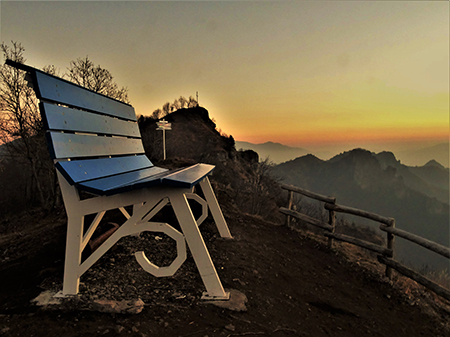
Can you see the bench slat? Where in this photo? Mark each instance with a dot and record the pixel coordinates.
(188, 177)
(124, 182)
(77, 171)
(63, 92)
(67, 145)
(57, 117)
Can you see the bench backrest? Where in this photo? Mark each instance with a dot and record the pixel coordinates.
(89, 135)
(89, 124)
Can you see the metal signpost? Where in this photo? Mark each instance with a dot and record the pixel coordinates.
(164, 125)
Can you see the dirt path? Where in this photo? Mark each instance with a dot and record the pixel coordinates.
(295, 286)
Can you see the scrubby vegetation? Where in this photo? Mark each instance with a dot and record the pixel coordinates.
(179, 103)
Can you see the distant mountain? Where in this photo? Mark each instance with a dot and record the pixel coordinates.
(434, 173)
(432, 179)
(379, 183)
(276, 152)
(439, 153)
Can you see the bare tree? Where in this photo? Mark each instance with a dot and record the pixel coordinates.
(175, 105)
(156, 114)
(20, 117)
(83, 72)
(260, 192)
(192, 103)
(165, 109)
(183, 102)
(20, 121)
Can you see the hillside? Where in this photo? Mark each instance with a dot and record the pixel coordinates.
(294, 284)
(238, 175)
(379, 183)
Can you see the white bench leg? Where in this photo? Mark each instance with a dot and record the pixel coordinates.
(73, 255)
(205, 266)
(74, 239)
(215, 208)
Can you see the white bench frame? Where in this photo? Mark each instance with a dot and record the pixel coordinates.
(146, 203)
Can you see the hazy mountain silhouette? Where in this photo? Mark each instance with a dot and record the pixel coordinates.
(439, 153)
(276, 152)
(380, 183)
(432, 179)
(279, 153)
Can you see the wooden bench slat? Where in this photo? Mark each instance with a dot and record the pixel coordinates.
(67, 145)
(188, 177)
(58, 117)
(63, 92)
(77, 171)
(124, 182)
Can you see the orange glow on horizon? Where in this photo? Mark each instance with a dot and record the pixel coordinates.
(354, 136)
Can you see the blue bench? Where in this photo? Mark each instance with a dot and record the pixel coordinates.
(96, 145)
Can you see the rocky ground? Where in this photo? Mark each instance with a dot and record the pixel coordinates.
(294, 284)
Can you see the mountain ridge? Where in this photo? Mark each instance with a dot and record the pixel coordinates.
(439, 152)
(278, 153)
(379, 183)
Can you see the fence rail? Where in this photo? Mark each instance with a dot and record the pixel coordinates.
(437, 248)
(386, 254)
(359, 212)
(441, 291)
(310, 194)
(306, 218)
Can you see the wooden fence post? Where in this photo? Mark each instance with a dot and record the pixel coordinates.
(290, 201)
(390, 245)
(332, 223)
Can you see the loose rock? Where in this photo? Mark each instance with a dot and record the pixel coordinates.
(236, 302)
(118, 307)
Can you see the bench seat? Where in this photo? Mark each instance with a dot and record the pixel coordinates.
(146, 177)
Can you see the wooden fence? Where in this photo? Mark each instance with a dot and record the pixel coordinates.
(386, 254)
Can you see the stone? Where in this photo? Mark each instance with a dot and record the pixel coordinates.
(118, 329)
(118, 307)
(46, 298)
(230, 327)
(236, 302)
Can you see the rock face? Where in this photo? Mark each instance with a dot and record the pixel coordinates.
(193, 139)
(193, 136)
(249, 156)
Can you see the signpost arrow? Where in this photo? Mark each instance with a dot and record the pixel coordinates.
(164, 125)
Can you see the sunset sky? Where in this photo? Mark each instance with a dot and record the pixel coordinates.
(316, 74)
